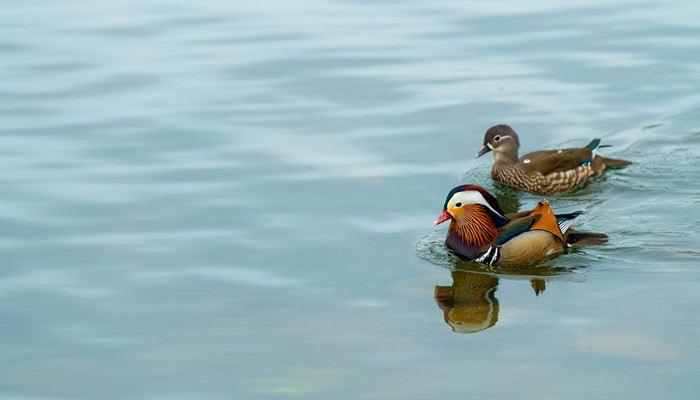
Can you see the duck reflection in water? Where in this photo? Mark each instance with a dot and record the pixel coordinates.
(470, 304)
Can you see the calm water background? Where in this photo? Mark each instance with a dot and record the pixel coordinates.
(229, 200)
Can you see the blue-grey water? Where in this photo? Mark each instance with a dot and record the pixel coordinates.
(234, 200)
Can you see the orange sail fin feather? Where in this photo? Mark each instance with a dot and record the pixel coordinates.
(548, 221)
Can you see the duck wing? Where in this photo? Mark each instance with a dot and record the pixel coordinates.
(540, 218)
(516, 226)
(550, 161)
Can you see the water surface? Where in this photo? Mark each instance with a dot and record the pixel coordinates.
(213, 201)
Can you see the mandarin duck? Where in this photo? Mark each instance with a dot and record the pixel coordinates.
(479, 230)
(547, 172)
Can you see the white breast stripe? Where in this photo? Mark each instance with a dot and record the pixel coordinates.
(484, 256)
(489, 257)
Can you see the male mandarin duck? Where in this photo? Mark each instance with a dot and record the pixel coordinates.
(479, 231)
(545, 172)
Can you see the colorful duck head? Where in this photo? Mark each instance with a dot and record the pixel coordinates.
(476, 217)
(503, 141)
(465, 195)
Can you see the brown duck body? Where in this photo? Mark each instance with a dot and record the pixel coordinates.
(546, 172)
(480, 232)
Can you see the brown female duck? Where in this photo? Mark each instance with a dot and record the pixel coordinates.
(479, 231)
(545, 172)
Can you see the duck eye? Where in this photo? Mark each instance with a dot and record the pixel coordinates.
(458, 205)
(497, 138)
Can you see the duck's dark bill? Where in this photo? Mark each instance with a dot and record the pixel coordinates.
(484, 149)
(442, 218)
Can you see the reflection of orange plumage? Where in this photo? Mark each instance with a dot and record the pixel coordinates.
(470, 304)
(480, 232)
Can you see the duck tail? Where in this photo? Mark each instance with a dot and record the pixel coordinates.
(575, 238)
(611, 162)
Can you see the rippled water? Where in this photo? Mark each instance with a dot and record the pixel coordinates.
(219, 200)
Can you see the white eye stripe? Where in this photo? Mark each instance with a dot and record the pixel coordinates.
(497, 138)
(470, 197)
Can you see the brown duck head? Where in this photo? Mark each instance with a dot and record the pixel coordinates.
(503, 141)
